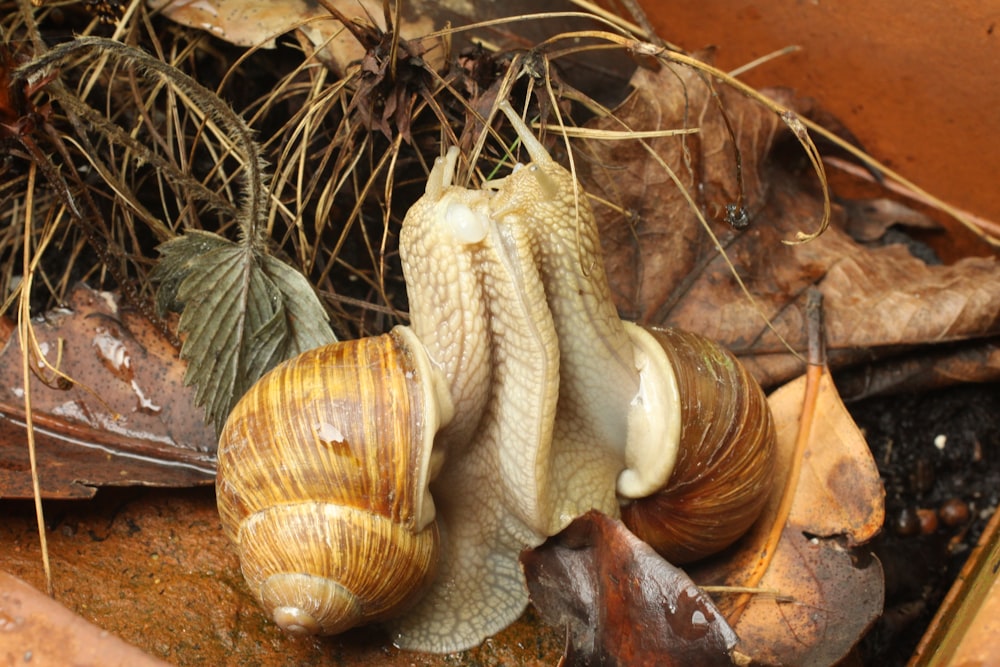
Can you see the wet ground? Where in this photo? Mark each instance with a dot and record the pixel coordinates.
(939, 455)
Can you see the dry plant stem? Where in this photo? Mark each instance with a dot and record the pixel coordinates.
(28, 15)
(190, 186)
(757, 62)
(640, 17)
(112, 261)
(110, 258)
(815, 332)
(390, 182)
(814, 373)
(646, 30)
(24, 334)
(614, 135)
(253, 213)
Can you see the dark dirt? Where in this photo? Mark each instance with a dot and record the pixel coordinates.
(939, 455)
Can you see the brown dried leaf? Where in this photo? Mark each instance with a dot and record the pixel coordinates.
(868, 220)
(839, 490)
(922, 371)
(825, 589)
(127, 419)
(654, 253)
(873, 297)
(257, 22)
(665, 270)
(621, 603)
(827, 598)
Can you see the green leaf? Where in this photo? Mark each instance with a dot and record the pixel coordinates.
(242, 313)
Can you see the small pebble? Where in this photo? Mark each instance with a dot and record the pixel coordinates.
(906, 522)
(954, 512)
(928, 520)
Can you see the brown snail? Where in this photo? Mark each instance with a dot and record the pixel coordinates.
(515, 401)
(356, 484)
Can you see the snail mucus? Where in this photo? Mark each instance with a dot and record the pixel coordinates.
(397, 478)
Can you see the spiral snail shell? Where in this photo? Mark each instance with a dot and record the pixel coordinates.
(515, 401)
(721, 478)
(357, 484)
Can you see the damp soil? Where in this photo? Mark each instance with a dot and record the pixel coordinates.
(152, 566)
(939, 456)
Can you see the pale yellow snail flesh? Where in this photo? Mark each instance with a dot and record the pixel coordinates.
(546, 404)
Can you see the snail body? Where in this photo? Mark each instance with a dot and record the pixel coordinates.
(534, 403)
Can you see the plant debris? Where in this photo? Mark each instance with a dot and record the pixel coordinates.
(621, 603)
(103, 162)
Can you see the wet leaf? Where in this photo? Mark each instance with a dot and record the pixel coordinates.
(622, 603)
(125, 419)
(243, 312)
(39, 630)
(827, 598)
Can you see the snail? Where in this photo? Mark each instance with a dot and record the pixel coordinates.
(514, 401)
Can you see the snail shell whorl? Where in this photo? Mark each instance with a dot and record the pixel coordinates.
(722, 476)
(323, 473)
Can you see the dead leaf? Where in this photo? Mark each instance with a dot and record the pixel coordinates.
(654, 252)
(922, 371)
(621, 602)
(39, 630)
(868, 220)
(823, 588)
(258, 22)
(839, 491)
(834, 598)
(126, 419)
(665, 270)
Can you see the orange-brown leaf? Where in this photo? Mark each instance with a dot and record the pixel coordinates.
(821, 589)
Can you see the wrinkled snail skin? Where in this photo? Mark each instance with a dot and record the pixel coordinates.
(493, 485)
(560, 376)
(581, 409)
(532, 403)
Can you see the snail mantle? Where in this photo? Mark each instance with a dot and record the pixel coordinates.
(397, 478)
